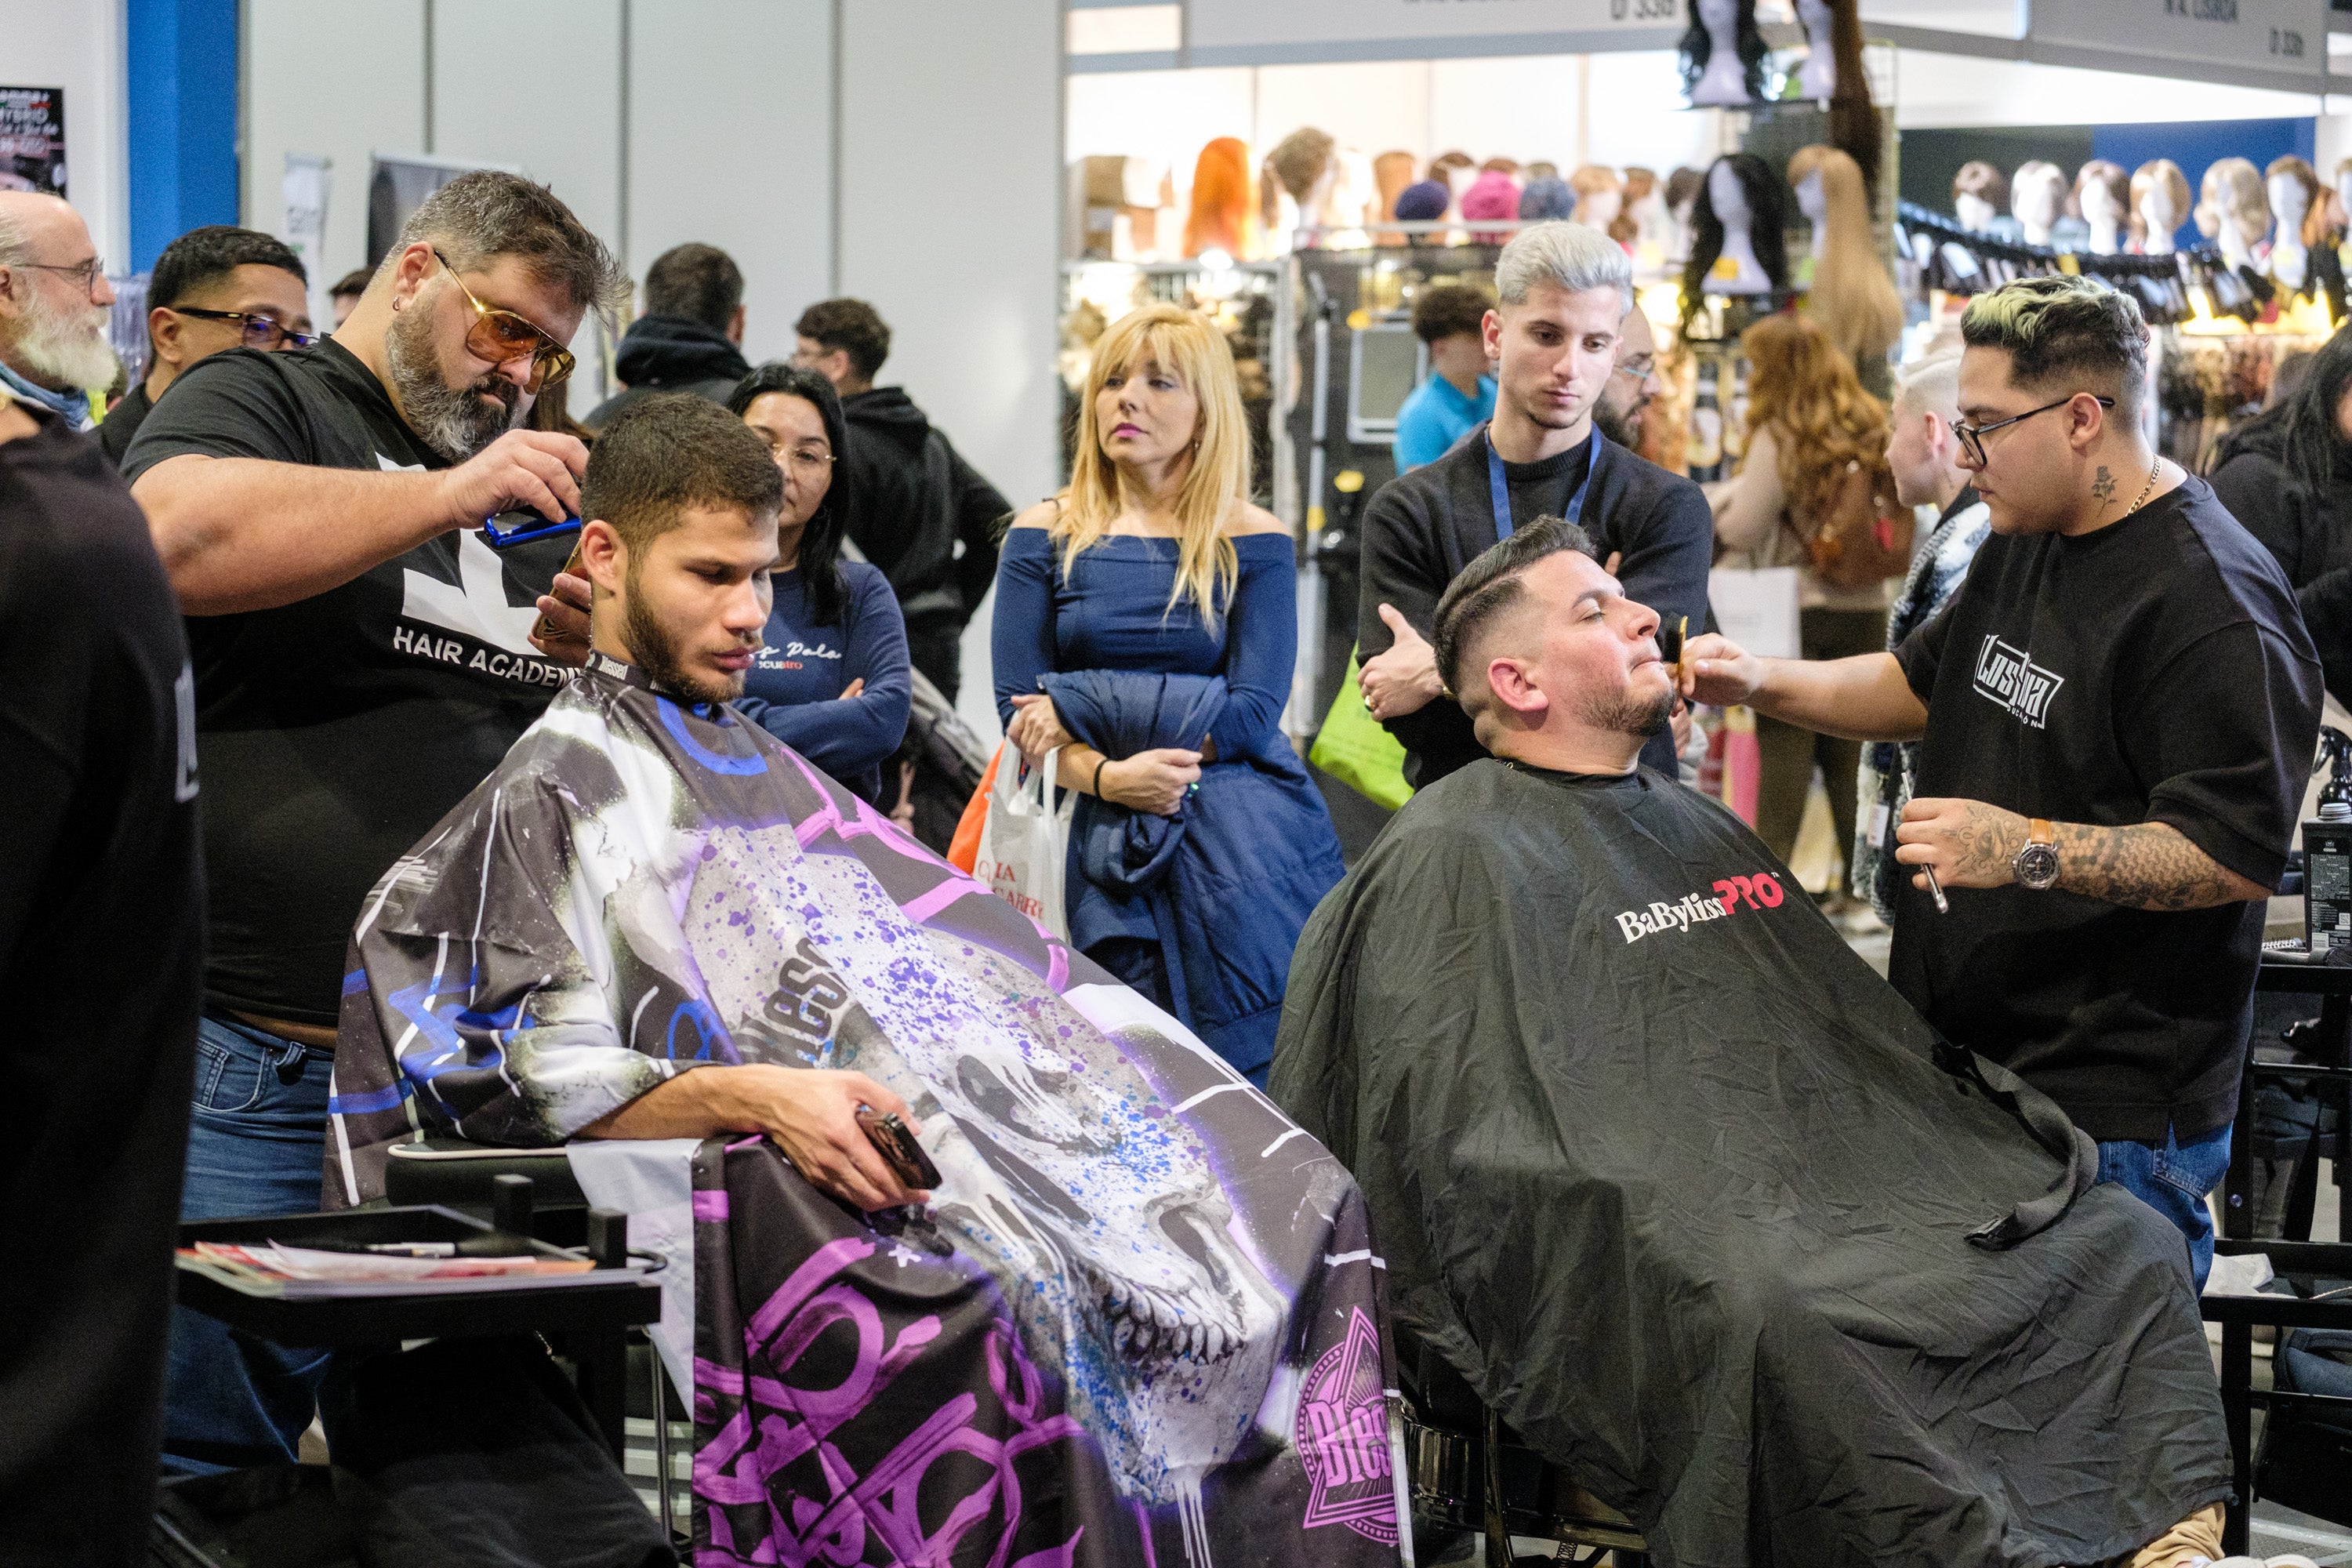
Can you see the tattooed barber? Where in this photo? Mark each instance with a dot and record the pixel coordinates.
(2116, 714)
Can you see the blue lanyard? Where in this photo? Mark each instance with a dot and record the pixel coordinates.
(1502, 488)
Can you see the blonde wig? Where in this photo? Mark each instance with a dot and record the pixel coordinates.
(1188, 345)
(2151, 175)
(2231, 192)
(2316, 225)
(1393, 171)
(1852, 296)
(1800, 382)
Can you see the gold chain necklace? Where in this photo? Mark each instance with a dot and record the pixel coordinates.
(2156, 469)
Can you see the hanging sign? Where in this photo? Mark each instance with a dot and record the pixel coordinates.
(33, 139)
(309, 180)
(1220, 25)
(2287, 38)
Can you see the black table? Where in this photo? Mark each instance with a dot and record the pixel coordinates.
(592, 1314)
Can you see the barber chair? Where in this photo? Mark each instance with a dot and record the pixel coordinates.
(618, 1379)
(1468, 1471)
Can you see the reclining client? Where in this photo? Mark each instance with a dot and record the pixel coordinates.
(1687, 1192)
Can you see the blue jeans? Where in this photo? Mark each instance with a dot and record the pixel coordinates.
(2173, 1181)
(255, 1147)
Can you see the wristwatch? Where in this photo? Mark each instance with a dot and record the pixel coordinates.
(2036, 865)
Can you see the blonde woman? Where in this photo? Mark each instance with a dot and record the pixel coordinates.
(1146, 628)
(1808, 420)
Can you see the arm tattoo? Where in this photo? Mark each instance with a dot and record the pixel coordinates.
(2151, 866)
(2103, 487)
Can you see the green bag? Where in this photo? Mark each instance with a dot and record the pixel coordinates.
(1354, 748)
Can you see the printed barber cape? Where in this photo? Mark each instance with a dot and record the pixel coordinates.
(1141, 1324)
(1680, 1186)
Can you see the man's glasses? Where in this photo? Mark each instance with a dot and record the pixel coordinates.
(498, 337)
(1972, 436)
(89, 271)
(1640, 367)
(258, 331)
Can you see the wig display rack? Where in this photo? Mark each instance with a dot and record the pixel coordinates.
(1968, 262)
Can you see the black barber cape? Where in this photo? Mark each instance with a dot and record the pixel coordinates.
(1675, 1180)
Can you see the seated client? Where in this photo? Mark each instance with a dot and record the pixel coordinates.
(1117, 1331)
(1687, 1192)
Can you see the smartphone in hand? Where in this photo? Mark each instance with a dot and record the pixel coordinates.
(896, 1145)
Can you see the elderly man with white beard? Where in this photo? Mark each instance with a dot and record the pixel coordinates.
(54, 305)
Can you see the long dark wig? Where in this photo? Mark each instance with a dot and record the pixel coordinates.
(1768, 218)
(2299, 433)
(1698, 46)
(820, 559)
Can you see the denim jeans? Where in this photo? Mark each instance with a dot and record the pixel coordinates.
(255, 1145)
(2173, 1181)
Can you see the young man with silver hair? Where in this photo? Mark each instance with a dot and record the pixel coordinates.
(1564, 291)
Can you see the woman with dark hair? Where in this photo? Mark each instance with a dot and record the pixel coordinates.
(832, 680)
(2286, 473)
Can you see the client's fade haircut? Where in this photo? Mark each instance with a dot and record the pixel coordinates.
(2068, 335)
(480, 216)
(670, 452)
(1448, 309)
(1489, 587)
(1574, 257)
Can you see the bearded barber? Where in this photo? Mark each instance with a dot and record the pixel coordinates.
(363, 659)
(1565, 293)
(2115, 714)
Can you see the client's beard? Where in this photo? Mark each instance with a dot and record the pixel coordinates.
(1640, 715)
(455, 424)
(657, 654)
(1618, 425)
(65, 348)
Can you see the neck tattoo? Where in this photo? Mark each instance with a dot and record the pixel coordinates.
(2103, 487)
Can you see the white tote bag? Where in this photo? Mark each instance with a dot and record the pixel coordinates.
(1024, 844)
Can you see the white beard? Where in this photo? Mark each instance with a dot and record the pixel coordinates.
(66, 349)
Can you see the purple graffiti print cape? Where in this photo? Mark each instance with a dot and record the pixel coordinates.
(1138, 1324)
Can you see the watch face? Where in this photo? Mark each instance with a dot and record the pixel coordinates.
(2037, 865)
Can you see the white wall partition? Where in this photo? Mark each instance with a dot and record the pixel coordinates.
(77, 44)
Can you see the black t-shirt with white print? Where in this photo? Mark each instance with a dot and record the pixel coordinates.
(334, 731)
(2156, 670)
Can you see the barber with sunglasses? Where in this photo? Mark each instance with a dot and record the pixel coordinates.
(2117, 713)
(213, 289)
(362, 658)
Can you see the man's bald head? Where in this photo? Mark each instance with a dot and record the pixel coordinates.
(54, 298)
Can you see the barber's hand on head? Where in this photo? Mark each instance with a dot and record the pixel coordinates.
(811, 1115)
(856, 688)
(1719, 671)
(1152, 781)
(1036, 728)
(562, 630)
(1970, 843)
(1402, 679)
(523, 470)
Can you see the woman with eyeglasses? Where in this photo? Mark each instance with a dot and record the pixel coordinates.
(1810, 426)
(831, 681)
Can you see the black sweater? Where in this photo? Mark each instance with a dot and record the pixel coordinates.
(1425, 526)
(918, 510)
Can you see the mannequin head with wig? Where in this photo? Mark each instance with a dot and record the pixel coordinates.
(1220, 217)
(1852, 297)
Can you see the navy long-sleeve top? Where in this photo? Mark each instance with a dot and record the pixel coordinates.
(794, 690)
(1111, 612)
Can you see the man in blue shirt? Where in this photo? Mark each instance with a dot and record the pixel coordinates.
(1459, 393)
